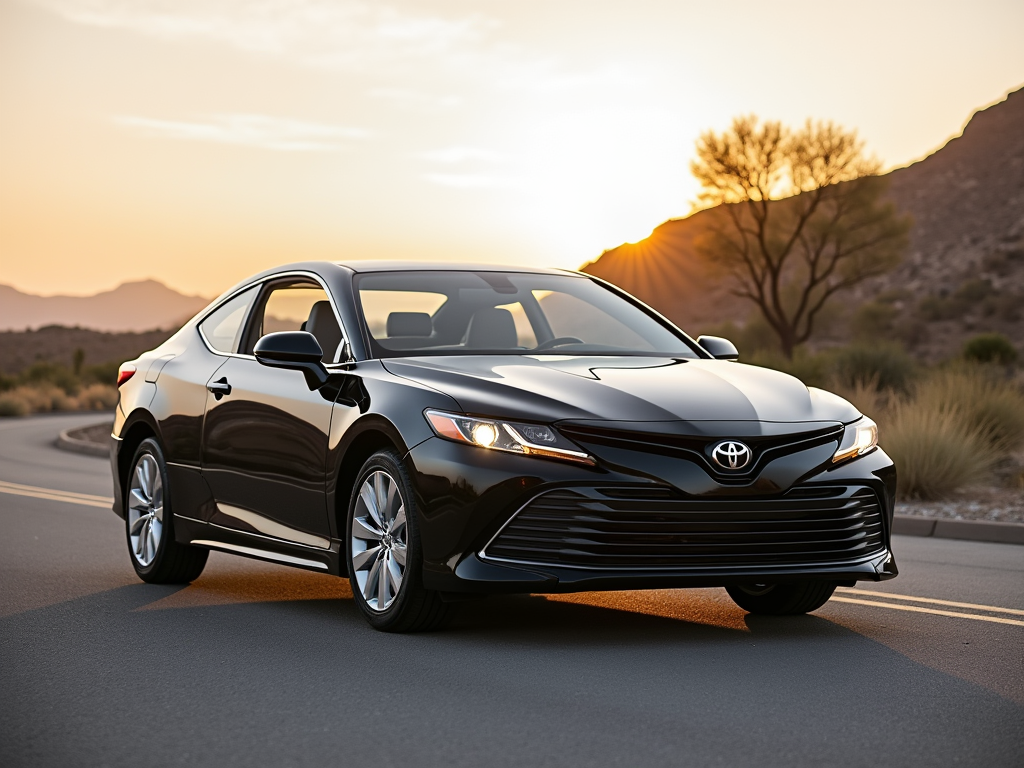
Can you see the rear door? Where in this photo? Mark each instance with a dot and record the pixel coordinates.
(265, 435)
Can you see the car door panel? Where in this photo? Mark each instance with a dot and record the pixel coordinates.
(264, 453)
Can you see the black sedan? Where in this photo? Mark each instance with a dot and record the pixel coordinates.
(439, 432)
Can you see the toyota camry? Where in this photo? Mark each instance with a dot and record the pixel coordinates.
(440, 432)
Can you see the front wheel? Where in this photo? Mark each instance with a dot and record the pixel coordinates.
(385, 558)
(782, 599)
(156, 556)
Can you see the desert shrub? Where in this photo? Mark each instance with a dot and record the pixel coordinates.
(934, 308)
(101, 373)
(44, 398)
(990, 404)
(887, 365)
(43, 373)
(97, 397)
(935, 452)
(973, 291)
(874, 320)
(990, 348)
(12, 405)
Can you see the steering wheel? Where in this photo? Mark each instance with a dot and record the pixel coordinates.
(557, 342)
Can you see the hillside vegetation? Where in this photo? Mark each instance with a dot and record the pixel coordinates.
(963, 273)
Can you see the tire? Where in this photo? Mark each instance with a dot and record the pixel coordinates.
(382, 530)
(787, 599)
(149, 523)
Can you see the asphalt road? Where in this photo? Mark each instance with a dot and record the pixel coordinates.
(256, 664)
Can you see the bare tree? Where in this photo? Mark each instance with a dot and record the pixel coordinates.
(801, 217)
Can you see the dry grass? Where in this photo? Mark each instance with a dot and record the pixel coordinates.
(44, 398)
(936, 452)
(948, 431)
(989, 402)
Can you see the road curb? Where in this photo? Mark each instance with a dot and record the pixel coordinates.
(966, 530)
(67, 441)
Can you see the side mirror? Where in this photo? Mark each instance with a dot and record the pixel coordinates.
(296, 351)
(718, 348)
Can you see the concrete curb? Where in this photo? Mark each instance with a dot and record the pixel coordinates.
(968, 530)
(67, 441)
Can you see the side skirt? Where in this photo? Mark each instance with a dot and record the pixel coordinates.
(197, 533)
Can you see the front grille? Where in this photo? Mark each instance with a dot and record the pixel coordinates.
(631, 528)
(697, 448)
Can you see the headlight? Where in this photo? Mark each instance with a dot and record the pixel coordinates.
(859, 438)
(512, 437)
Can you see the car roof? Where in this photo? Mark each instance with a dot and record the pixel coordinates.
(375, 265)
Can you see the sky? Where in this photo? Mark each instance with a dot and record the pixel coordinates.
(200, 141)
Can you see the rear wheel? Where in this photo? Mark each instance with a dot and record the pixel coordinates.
(782, 599)
(385, 558)
(155, 555)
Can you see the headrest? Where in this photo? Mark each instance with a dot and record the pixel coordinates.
(492, 328)
(324, 326)
(409, 324)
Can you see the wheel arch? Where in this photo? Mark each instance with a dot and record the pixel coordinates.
(363, 439)
(139, 426)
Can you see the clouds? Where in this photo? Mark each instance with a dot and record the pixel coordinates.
(256, 131)
(450, 155)
(463, 177)
(399, 40)
(329, 34)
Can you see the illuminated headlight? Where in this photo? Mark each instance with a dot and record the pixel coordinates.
(512, 437)
(859, 438)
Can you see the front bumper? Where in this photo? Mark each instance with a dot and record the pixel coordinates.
(466, 495)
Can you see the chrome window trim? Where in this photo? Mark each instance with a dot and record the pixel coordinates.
(260, 283)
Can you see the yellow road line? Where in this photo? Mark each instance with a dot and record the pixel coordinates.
(85, 499)
(932, 601)
(935, 611)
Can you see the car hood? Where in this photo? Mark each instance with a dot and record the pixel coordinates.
(552, 388)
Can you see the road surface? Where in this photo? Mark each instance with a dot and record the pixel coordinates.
(256, 664)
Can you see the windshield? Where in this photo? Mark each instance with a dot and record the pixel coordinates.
(445, 313)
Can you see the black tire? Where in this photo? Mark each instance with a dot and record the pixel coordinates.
(787, 599)
(413, 608)
(172, 563)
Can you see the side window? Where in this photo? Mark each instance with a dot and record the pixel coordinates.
(299, 306)
(223, 328)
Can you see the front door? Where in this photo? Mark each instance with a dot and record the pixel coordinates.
(265, 434)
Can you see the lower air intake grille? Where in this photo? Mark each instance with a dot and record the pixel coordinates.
(654, 528)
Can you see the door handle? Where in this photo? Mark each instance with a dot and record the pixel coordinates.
(219, 388)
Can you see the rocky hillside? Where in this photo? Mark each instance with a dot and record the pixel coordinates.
(56, 344)
(131, 307)
(964, 269)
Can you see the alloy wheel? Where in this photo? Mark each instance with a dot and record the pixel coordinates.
(378, 541)
(146, 510)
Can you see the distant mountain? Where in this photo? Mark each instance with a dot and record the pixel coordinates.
(131, 307)
(964, 270)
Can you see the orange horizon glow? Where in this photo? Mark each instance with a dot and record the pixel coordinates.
(196, 143)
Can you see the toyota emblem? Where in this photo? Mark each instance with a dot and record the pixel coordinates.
(731, 454)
